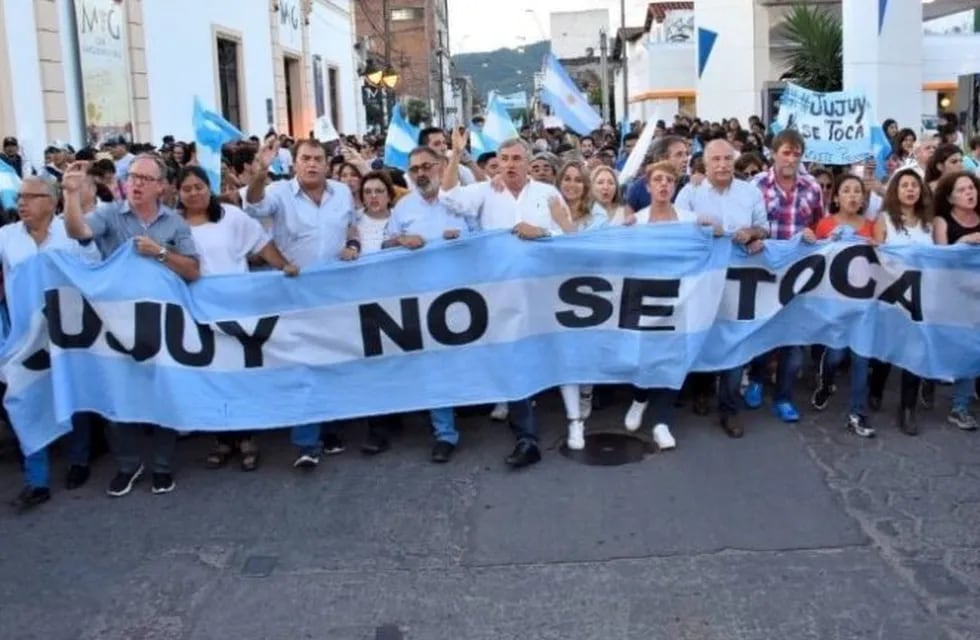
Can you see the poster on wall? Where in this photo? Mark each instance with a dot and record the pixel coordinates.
(103, 56)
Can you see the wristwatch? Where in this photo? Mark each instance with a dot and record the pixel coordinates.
(162, 255)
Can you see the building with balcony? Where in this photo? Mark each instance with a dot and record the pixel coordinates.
(81, 71)
(413, 39)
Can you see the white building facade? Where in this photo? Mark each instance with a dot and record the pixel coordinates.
(663, 63)
(84, 70)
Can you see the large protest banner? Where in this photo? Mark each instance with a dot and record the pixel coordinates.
(482, 319)
(836, 126)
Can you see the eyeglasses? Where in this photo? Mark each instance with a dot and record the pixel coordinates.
(31, 197)
(419, 168)
(140, 178)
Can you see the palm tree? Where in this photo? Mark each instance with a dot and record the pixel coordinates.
(814, 48)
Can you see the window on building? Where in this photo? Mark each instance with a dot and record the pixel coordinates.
(407, 13)
(333, 82)
(229, 84)
(318, 96)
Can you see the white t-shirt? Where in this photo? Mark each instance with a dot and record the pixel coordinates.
(372, 232)
(224, 246)
(683, 215)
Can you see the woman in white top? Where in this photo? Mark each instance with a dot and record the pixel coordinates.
(377, 193)
(661, 179)
(575, 214)
(225, 237)
(608, 197)
(905, 219)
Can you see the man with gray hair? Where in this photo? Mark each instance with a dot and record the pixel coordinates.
(158, 233)
(40, 230)
(418, 218)
(523, 206)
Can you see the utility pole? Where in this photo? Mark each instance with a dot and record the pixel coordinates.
(604, 73)
(442, 82)
(386, 10)
(626, 65)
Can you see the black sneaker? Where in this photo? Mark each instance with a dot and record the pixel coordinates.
(442, 451)
(163, 483)
(821, 397)
(77, 476)
(860, 425)
(30, 497)
(332, 444)
(306, 461)
(123, 483)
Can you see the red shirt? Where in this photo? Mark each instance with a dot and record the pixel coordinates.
(827, 225)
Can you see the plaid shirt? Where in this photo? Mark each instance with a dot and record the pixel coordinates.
(790, 213)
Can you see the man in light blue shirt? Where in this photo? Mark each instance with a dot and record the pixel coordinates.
(418, 218)
(738, 207)
(312, 222)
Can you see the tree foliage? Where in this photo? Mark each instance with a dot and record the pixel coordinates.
(814, 42)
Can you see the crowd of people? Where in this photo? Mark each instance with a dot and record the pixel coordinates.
(290, 204)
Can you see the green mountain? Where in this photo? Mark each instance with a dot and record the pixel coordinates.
(503, 70)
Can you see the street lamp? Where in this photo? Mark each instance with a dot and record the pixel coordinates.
(389, 78)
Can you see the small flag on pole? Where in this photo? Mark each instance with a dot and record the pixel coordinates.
(211, 132)
(401, 139)
(9, 186)
(566, 101)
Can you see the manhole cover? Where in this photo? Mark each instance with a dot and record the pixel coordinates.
(259, 566)
(610, 449)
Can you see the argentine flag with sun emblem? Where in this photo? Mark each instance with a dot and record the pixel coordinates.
(566, 101)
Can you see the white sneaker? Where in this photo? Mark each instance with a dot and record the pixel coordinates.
(585, 405)
(634, 417)
(499, 413)
(663, 437)
(576, 435)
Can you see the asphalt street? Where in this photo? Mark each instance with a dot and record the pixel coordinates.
(793, 532)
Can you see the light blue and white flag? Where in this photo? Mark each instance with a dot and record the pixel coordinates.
(211, 132)
(259, 350)
(401, 139)
(837, 126)
(9, 185)
(881, 148)
(497, 127)
(516, 100)
(566, 101)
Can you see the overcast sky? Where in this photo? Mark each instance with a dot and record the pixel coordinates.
(485, 25)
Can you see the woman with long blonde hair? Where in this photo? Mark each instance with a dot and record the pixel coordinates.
(607, 195)
(574, 213)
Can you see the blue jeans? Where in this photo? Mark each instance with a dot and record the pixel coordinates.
(790, 362)
(832, 360)
(37, 466)
(306, 437)
(728, 385)
(444, 425)
(522, 421)
(962, 394)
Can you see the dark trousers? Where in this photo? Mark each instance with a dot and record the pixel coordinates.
(233, 438)
(661, 403)
(909, 395)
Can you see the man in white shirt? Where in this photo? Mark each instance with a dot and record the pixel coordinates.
(738, 206)
(37, 231)
(523, 207)
(420, 217)
(313, 221)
